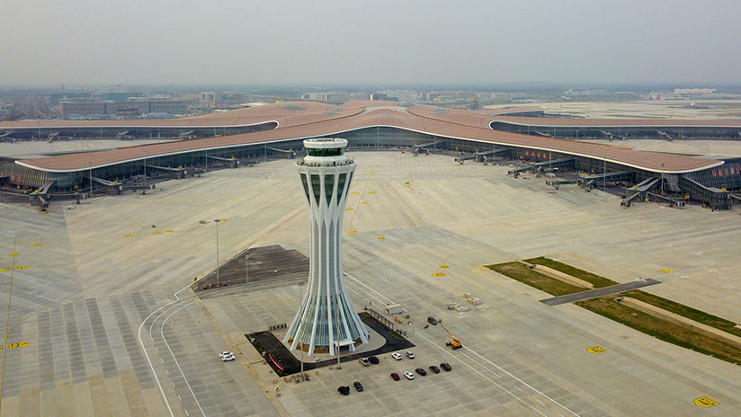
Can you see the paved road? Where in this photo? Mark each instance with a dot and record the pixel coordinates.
(585, 295)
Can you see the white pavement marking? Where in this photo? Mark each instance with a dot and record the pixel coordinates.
(467, 349)
(388, 300)
(162, 332)
(146, 354)
(149, 361)
(512, 394)
(521, 381)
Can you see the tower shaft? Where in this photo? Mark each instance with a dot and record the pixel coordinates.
(326, 319)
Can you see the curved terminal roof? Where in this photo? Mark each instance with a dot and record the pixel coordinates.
(302, 120)
(576, 122)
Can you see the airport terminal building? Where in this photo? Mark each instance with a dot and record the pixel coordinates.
(188, 146)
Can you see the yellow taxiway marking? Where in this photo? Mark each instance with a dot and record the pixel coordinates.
(37, 244)
(352, 231)
(129, 235)
(365, 202)
(439, 274)
(381, 238)
(372, 192)
(22, 267)
(667, 270)
(349, 209)
(596, 349)
(223, 220)
(167, 231)
(444, 266)
(16, 345)
(354, 192)
(156, 232)
(14, 254)
(706, 402)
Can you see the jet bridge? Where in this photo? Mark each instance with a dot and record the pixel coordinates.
(230, 162)
(179, 172)
(555, 163)
(290, 152)
(423, 147)
(482, 156)
(640, 191)
(39, 197)
(590, 181)
(713, 197)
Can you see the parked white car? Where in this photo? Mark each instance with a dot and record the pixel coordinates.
(397, 356)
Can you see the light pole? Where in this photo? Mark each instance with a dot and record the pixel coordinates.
(90, 161)
(604, 172)
(246, 269)
(145, 174)
(217, 221)
(301, 296)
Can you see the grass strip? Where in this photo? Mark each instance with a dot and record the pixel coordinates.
(662, 329)
(522, 273)
(683, 310)
(596, 280)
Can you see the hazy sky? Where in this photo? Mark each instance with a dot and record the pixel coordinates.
(137, 42)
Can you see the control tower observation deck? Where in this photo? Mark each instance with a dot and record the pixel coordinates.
(326, 319)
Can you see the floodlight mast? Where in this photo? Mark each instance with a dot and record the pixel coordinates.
(326, 320)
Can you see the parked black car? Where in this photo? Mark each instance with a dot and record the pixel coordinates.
(358, 386)
(434, 369)
(432, 320)
(420, 371)
(446, 366)
(344, 390)
(373, 360)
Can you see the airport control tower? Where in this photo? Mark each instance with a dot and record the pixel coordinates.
(326, 319)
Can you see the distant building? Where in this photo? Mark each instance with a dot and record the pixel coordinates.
(131, 108)
(219, 99)
(81, 106)
(209, 98)
(118, 96)
(336, 97)
(55, 98)
(167, 106)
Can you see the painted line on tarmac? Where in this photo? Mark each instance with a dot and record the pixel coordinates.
(467, 349)
(512, 394)
(473, 368)
(162, 332)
